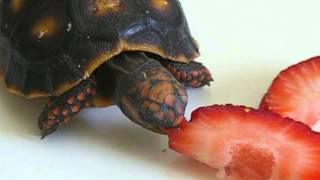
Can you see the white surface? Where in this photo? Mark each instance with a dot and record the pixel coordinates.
(245, 43)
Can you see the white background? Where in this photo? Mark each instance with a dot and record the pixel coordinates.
(245, 43)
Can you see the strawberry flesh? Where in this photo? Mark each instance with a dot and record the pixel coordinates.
(244, 143)
(295, 92)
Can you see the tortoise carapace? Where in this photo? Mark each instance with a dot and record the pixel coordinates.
(137, 54)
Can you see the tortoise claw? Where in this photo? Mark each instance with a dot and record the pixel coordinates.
(45, 133)
(47, 125)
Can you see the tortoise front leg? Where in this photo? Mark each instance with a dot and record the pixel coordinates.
(193, 74)
(60, 109)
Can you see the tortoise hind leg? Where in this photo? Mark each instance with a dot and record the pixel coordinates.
(60, 109)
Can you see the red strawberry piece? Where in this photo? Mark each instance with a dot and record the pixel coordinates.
(295, 92)
(247, 144)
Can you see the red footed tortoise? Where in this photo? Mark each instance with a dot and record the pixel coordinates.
(137, 54)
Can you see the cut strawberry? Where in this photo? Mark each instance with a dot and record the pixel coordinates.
(295, 92)
(247, 144)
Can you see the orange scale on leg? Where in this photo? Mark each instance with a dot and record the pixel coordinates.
(66, 112)
(75, 108)
(195, 73)
(56, 111)
(71, 100)
(89, 90)
(81, 96)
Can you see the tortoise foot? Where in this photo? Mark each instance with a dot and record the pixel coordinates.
(193, 74)
(59, 110)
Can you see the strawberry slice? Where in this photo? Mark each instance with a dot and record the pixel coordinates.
(295, 92)
(247, 144)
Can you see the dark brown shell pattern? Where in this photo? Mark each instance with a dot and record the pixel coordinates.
(48, 47)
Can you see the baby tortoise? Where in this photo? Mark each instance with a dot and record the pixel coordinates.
(137, 54)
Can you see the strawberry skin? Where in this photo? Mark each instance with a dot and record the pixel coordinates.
(295, 92)
(247, 144)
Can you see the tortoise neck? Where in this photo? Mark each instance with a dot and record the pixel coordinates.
(128, 62)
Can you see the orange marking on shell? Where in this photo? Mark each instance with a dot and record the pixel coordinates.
(45, 27)
(16, 90)
(102, 7)
(16, 5)
(160, 4)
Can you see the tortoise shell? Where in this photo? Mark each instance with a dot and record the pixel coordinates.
(51, 46)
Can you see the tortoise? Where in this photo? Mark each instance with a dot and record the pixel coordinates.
(136, 54)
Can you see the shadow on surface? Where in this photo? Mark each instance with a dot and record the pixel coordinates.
(19, 115)
(122, 136)
(106, 128)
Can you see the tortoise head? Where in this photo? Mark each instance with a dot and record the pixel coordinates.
(149, 94)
